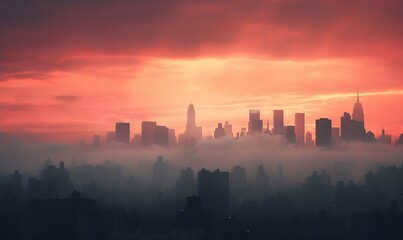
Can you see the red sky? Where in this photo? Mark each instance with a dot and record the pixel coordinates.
(70, 69)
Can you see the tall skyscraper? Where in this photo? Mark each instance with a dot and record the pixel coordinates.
(278, 122)
(228, 129)
(345, 123)
(300, 128)
(148, 132)
(262, 180)
(192, 132)
(255, 125)
(122, 132)
(219, 131)
(290, 134)
(335, 135)
(308, 140)
(172, 137)
(161, 135)
(351, 130)
(110, 136)
(358, 111)
(384, 138)
(323, 129)
(96, 141)
(213, 188)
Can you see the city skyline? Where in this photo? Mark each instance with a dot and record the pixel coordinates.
(192, 131)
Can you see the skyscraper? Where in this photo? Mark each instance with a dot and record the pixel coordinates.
(148, 132)
(213, 188)
(308, 140)
(290, 134)
(323, 132)
(192, 132)
(122, 132)
(219, 131)
(278, 122)
(96, 141)
(161, 135)
(300, 128)
(358, 111)
(351, 129)
(228, 129)
(384, 138)
(255, 125)
(335, 135)
(110, 136)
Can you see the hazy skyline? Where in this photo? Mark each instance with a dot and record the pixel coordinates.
(71, 69)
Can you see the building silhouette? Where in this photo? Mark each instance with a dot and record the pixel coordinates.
(262, 180)
(122, 132)
(385, 138)
(335, 135)
(351, 130)
(110, 136)
(161, 135)
(186, 183)
(228, 129)
(308, 140)
(323, 130)
(238, 180)
(172, 137)
(290, 134)
(219, 131)
(300, 129)
(193, 132)
(255, 124)
(278, 122)
(148, 131)
(96, 141)
(358, 111)
(213, 188)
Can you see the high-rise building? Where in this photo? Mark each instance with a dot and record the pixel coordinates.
(96, 141)
(335, 135)
(228, 129)
(255, 125)
(213, 188)
(358, 111)
(308, 140)
(300, 128)
(290, 134)
(161, 135)
(122, 132)
(193, 132)
(384, 138)
(172, 137)
(278, 122)
(262, 179)
(219, 131)
(351, 130)
(237, 180)
(323, 129)
(110, 136)
(186, 184)
(148, 130)
(345, 123)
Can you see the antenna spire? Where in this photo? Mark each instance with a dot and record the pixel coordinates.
(358, 96)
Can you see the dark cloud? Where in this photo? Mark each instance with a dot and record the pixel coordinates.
(18, 107)
(290, 28)
(67, 98)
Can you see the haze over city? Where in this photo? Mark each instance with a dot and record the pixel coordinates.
(207, 120)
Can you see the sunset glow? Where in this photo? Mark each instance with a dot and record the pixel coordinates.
(71, 70)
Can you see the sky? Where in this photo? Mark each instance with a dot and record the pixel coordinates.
(71, 69)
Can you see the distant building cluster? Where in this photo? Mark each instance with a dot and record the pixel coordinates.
(352, 128)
